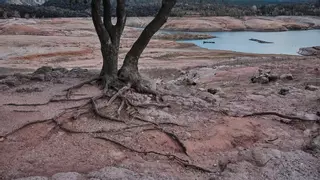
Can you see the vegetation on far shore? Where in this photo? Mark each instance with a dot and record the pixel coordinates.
(192, 8)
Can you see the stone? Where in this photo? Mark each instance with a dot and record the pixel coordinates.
(190, 82)
(311, 88)
(206, 96)
(284, 91)
(38, 77)
(22, 76)
(61, 69)
(259, 157)
(263, 80)
(213, 91)
(57, 74)
(58, 81)
(315, 144)
(43, 70)
(34, 178)
(311, 117)
(48, 77)
(4, 87)
(68, 176)
(77, 72)
(260, 79)
(273, 77)
(10, 81)
(286, 77)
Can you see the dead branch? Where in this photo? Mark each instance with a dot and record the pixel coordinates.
(279, 115)
(169, 156)
(96, 111)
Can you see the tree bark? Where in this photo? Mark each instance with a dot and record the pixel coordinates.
(109, 36)
(129, 70)
(110, 61)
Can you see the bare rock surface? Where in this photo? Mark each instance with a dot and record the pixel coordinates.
(193, 134)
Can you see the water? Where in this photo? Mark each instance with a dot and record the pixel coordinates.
(287, 42)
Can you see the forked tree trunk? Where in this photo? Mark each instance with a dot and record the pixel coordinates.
(109, 36)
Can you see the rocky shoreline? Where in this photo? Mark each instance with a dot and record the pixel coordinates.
(310, 51)
(226, 23)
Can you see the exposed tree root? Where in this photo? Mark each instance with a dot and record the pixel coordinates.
(26, 125)
(96, 111)
(120, 108)
(146, 105)
(293, 118)
(33, 123)
(169, 156)
(82, 84)
(50, 101)
(148, 124)
(69, 90)
(124, 101)
(119, 93)
(144, 120)
(26, 111)
(173, 137)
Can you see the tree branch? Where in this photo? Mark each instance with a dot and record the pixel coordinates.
(121, 16)
(146, 35)
(97, 21)
(107, 19)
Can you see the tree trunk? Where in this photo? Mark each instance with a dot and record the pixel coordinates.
(129, 71)
(110, 61)
(109, 36)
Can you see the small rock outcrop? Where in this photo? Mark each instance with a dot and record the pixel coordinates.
(284, 91)
(286, 77)
(311, 88)
(47, 73)
(310, 51)
(264, 77)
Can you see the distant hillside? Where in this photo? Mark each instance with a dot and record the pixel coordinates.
(24, 2)
(64, 3)
(235, 8)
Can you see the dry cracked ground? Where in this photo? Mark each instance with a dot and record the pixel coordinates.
(222, 115)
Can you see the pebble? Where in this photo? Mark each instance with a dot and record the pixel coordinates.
(286, 77)
(284, 91)
(311, 88)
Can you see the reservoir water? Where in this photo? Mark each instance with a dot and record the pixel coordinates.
(287, 42)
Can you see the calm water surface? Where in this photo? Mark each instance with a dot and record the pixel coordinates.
(287, 42)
